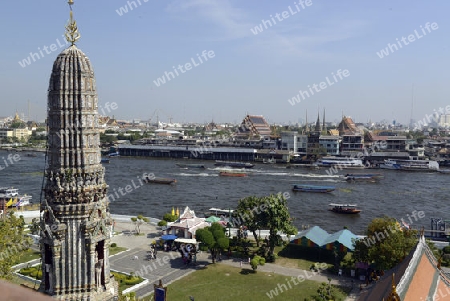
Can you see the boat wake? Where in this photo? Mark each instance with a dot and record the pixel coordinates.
(273, 173)
(314, 175)
(226, 168)
(317, 180)
(203, 174)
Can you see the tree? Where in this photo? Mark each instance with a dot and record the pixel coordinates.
(17, 125)
(276, 218)
(106, 139)
(169, 217)
(246, 210)
(386, 244)
(13, 243)
(138, 221)
(35, 226)
(214, 238)
(270, 212)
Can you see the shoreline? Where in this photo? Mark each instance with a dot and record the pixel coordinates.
(28, 215)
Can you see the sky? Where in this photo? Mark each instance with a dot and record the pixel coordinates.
(282, 59)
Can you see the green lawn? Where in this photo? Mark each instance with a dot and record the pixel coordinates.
(223, 283)
(115, 250)
(28, 255)
(296, 263)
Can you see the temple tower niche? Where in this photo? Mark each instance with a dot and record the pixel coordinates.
(76, 223)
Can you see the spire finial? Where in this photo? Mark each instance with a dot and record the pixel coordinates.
(72, 34)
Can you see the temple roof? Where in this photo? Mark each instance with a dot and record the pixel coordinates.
(347, 127)
(417, 277)
(188, 220)
(254, 125)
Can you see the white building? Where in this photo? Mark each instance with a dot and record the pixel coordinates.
(444, 120)
(292, 140)
(331, 144)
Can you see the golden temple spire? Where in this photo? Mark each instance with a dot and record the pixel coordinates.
(393, 296)
(72, 34)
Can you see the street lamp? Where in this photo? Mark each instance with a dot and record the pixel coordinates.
(229, 222)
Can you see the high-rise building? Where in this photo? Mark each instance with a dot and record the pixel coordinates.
(444, 120)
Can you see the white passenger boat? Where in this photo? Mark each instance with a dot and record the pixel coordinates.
(410, 165)
(340, 162)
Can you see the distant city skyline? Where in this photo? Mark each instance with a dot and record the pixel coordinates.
(223, 59)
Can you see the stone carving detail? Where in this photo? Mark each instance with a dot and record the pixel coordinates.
(74, 186)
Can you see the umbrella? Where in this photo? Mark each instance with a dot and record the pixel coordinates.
(169, 237)
(173, 211)
(178, 212)
(223, 223)
(212, 219)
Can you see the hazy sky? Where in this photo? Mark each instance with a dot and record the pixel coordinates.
(244, 72)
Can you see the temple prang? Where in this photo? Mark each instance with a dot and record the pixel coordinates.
(76, 223)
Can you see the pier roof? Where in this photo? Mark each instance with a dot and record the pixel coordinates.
(191, 148)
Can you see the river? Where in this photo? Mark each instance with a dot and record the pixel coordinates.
(398, 195)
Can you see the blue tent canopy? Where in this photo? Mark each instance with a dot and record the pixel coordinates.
(169, 237)
(317, 237)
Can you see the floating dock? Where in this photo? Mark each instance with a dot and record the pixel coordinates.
(189, 152)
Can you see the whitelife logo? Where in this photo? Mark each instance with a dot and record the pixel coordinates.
(35, 56)
(391, 48)
(265, 24)
(130, 4)
(319, 87)
(187, 66)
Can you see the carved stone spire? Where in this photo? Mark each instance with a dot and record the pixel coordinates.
(76, 222)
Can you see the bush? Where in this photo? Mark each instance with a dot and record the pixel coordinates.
(270, 258)
(257, 260)
(127, 279)
(446, 250)
(32, 272)
(37, 274)
(162, 223)
(132, 281)
(113, 245)
(169, 217)
(26, 271)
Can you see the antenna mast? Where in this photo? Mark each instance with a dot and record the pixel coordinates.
(412, 107)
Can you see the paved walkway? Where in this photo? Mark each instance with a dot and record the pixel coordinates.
(168, 266)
